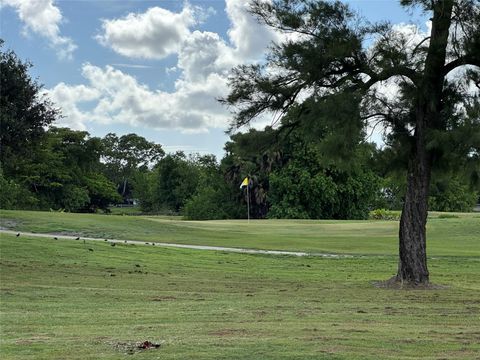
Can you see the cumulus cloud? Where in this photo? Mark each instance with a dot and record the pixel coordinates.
(248, 37)
(204, 62)
(68, 97)
(202, 54)
(158, 32)
(119, 98)
(154, 34)
(42, 17)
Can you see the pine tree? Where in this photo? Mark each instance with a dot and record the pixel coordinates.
(336, 61)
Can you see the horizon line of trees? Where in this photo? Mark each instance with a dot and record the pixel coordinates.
(69, 170)
(293, 173)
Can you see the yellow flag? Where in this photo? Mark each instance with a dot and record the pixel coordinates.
(244, 182)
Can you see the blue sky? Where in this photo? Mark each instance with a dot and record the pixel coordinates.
(149, 67)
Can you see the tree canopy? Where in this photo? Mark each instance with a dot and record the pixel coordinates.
(25, 112)
(125, 156)
(332, 68)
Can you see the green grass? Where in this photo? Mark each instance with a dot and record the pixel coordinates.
(61, 301)
(129, 210)
(453, 236)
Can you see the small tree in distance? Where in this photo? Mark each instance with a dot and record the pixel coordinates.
(330, 63)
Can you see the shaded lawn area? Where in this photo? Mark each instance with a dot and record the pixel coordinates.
(61, 301)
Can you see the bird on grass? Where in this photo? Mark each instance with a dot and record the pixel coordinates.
(112, 244)
(55, 238)
(105, 240)
(90, 249)
(18, 234)
(77, 238)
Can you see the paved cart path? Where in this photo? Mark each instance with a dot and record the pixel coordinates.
(182, 246)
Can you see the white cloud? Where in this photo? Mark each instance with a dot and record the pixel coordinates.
(68, 97)
(43, 18)
(158, 32)
(412, 33)
(154, 34)
(119, 98)
(248, 37)
(202, 54)
(204, 62)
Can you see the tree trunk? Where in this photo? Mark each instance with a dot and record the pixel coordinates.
(412, 265)
(124, 187)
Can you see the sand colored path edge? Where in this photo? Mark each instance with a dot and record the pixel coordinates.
(182, 246)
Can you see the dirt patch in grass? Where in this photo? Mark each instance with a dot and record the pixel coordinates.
(132, 347)
(7, 224)
(394, 284)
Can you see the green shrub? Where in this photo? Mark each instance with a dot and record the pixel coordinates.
(452, 194)
(383, 214)
(213, 203)
(74, 197)
(206, 205)
(14, 197)
(448, 216)
(300, 192)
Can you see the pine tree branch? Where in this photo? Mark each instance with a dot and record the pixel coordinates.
(468, 59)
(386, 74)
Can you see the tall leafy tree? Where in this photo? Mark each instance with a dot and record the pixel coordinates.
(65, 172)
(215, 198)
(253, 154)
(309, 186)
(177, 178)
(331, 62)
(127, 155)
(24, 112)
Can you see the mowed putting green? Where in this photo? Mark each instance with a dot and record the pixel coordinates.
(62, 299)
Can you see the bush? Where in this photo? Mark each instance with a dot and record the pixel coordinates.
(206, 205)
(448, 216)
(285, 211)
(452, 196)
(299, 192)
(383, 214)
(74, 197)
(14, 196)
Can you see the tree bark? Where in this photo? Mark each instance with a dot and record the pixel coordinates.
(412, 265)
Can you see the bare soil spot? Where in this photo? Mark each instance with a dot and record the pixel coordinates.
(130, 347)
(394, 284)
(8, 224)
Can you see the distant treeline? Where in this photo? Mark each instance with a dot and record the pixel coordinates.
(294, 172)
